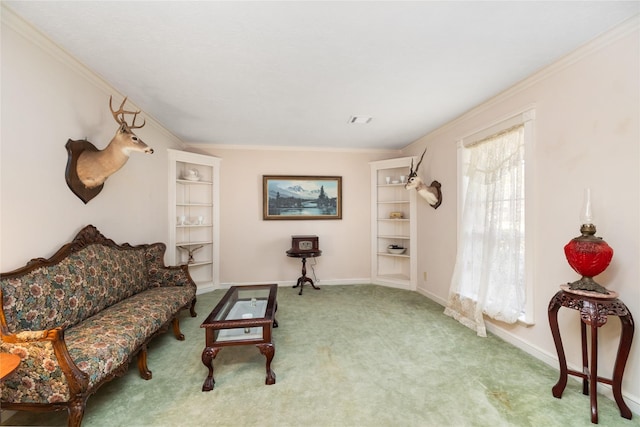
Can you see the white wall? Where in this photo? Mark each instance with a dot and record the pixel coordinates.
(253, 250)
(48, 98)
(586, 135)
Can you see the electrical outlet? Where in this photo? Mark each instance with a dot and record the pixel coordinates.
(424, 276)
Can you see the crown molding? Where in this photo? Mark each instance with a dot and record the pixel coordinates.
(617, 33)
(30, 33)
(204, 145)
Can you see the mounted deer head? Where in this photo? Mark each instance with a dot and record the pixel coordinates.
(431, 193)
(88, 168)
(94, 167)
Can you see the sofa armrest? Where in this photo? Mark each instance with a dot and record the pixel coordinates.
(178, 276)
(31, 336)
(46, 373)
(170, 276)
(158, 274)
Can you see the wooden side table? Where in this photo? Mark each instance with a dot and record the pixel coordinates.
(593, 312)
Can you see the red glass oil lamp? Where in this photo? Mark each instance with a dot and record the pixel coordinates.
(587, 254)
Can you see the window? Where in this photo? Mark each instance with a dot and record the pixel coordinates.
(490, 276)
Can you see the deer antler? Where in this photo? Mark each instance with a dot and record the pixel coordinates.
(421, 157)
(415, 172)
(118, 116)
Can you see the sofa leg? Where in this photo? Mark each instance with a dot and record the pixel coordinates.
(142, 364)
(76, 412)
(192, 309)
(176, 329)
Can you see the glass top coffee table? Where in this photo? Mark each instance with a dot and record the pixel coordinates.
(245, 315)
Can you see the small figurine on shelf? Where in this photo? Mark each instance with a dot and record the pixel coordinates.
(190, 251)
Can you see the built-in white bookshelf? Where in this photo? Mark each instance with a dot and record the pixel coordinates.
(393, 222)
(194, 216)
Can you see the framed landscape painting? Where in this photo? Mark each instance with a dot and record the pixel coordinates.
(301, 197)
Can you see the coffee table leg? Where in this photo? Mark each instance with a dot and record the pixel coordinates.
(268, 350)
(208, 354)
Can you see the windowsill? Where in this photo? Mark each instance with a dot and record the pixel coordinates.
(522, 320)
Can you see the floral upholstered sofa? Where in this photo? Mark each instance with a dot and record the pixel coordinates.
(78, 318)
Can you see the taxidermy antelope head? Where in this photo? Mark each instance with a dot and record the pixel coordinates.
(94, 167)
(431, 193)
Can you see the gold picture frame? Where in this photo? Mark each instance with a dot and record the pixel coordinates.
(297, 197)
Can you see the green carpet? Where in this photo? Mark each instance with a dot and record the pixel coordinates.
(360, 355)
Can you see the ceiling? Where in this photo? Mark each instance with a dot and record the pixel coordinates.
(293, 73)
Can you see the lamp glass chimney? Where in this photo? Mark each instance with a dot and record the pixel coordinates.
(586, 214)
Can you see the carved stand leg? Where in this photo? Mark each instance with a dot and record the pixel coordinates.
(268, 350)
(597, 316)
(593, 373)
(585, 358)
(303, 279)
(621, 360)
(557, 389)
(208, 354)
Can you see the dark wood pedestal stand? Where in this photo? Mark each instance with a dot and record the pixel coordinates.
(593, 312)
(303, 279)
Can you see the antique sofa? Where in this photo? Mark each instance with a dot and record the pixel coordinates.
(78, 319)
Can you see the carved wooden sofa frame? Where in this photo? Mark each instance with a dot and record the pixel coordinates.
(55, 310)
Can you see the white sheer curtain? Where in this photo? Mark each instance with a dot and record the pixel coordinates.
(488, 276)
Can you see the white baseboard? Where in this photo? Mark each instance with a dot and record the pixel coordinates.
(432, 296)
(291, 283)
(204, 288)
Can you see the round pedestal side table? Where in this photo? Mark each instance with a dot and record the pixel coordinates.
(303, 279)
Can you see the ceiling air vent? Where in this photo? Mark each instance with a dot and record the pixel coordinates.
(361, 120)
